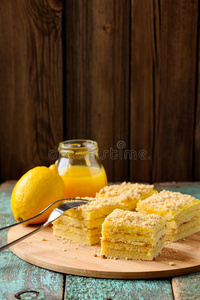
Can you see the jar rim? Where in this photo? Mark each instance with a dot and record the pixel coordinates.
(78, 145)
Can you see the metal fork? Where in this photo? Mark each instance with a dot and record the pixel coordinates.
(56, 213)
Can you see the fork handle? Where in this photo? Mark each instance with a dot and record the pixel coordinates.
(24, 221)
(23, 237)
(18, 223)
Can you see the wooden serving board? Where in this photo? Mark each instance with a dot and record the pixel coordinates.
(47, 251)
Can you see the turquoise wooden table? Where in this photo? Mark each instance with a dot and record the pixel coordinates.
(21, 280)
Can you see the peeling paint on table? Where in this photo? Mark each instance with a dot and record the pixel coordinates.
(17, 275)
(81, 288)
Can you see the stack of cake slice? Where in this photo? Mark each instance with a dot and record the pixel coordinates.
(83, 224)
(132, 235)
(181, 212)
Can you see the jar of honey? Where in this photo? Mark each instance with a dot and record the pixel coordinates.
(80, 168)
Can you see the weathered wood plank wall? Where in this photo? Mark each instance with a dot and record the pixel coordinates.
(97, 76)
(122, 72)
(31, 83)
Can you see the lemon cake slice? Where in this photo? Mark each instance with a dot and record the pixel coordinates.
(83, 224)
(181, 212)
(135, 191)
(132, 235)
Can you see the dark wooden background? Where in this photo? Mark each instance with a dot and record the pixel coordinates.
(122, 72)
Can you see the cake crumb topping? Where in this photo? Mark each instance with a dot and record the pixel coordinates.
(167, 201)
(138, 219)
(97, 203)
(134, 190)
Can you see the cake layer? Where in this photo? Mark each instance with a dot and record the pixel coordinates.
(100, 207)
(85, 221)
(81, 223)
(85, 217)
(133, 246)
(134, 191)
(129, 238)
(79, 231)
(94, 210)
(186, 215)
(183, 230)
(85, 239)
(168, 204)
(184, 226)
(132, 235)
(133, 222)
(147, 232)
(92, 215)
(79, 220)
(182, 234)
(115, 250)
(181, 212)
(112, 253)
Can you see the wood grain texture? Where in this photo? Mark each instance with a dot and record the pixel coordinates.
(122, 72)
(143, 57)
(175, 75)
(186, 287)
(196, 142)
(97, 78)
(45, 250)
(81, 288)
(164, 37)
(30, 84)
(18, 276)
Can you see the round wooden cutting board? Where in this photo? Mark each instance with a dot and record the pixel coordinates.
(45, 250)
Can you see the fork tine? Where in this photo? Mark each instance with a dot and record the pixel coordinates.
(75, 204)
(24, 221)
(56, 213)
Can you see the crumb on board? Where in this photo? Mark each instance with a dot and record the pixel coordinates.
(171, 263)
(64, 249)
(43, 239)
(167, 252)
(95, 254)
(103, 256)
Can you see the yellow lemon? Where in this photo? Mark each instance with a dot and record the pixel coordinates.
(34, 191)
(54, 168)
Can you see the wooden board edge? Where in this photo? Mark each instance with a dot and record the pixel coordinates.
(108, 274)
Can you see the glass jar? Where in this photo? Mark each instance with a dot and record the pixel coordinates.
(80, 168)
